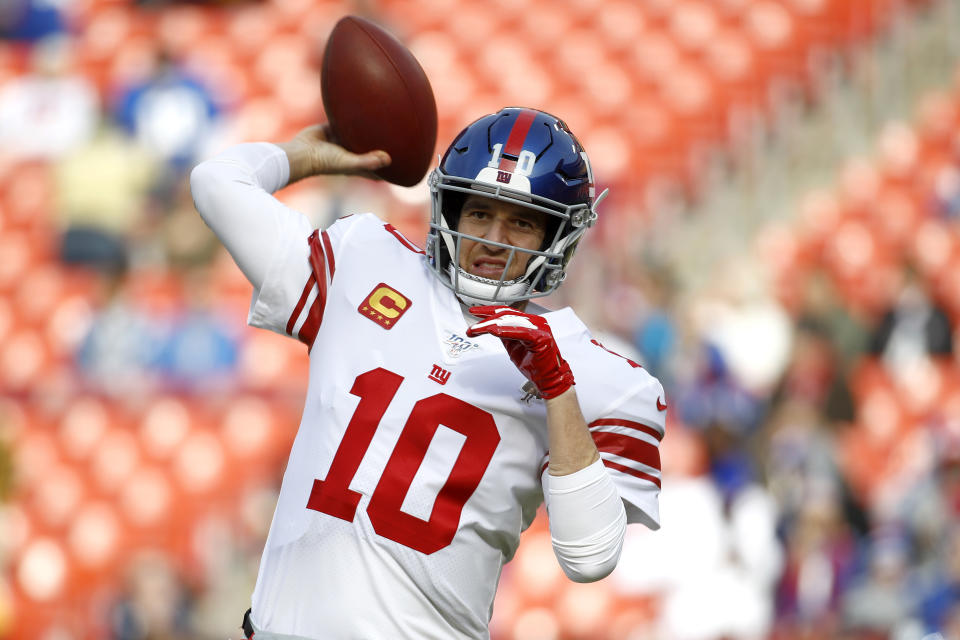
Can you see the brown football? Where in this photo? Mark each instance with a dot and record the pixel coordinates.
(377, 96)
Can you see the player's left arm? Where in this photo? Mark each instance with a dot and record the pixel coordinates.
(587, 517)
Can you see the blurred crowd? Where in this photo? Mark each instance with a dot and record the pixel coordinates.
(812, 458)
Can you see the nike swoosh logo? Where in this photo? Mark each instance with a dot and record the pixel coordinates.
(661, 406)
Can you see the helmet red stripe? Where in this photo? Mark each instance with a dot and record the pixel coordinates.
(515, 141)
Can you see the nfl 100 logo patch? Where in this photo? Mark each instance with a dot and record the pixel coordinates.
(457, 345)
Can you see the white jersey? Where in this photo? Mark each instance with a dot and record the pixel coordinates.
(419, 458)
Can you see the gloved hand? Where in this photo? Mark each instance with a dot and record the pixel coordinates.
(531, 346)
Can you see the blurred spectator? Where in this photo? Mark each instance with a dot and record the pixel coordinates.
(131, 347)
(655, 333)
(102, 189)
(50, 111)
(713, 395)
(915, 329)
(122, 342)
(947, 192)
(199, 347)
(824, 310)
(821, 557)
(155, 604)
(30, 20)
(815, 373)
(799, 459)
(170, 113)
(885, 598)
(941, 600)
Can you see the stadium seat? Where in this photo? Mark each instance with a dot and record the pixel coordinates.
(114, 460)
(163, 425)
(24, 359)
(82, 426)
(622, 23)
(146, 498)
(56, 495)
(693, 24)
(94, 540)
(772, 31)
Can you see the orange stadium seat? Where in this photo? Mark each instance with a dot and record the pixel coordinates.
(933, 246)
(249, 28)
(114, 460)
(147, 498)
(622, 24)
(163, 424)
(25, 360)
(657, 10)
(781, 54)
(732, 62)
(56, 495)
(653, 57)
(821, 23)
(181, 26)
(212, 60)
(84, 422)
(693, 24)
(95, 539)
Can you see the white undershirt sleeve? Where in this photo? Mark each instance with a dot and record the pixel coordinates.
(587, 521)
(232, 192)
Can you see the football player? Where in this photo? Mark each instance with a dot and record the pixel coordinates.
(443, 405)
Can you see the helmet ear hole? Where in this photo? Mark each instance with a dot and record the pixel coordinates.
(550, 233)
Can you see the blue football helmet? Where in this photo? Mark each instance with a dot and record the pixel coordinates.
(525, 157)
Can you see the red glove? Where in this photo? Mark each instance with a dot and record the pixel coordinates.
(531, 346)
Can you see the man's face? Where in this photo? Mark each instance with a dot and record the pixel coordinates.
(503, 222)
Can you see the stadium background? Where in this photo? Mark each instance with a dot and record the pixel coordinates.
(781, 248)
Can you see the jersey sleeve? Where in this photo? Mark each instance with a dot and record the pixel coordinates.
(293, 296)
(625, 409)
(628, 439)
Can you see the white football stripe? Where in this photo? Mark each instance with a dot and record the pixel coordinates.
(633, 464)
(507, 321)
(627, 431)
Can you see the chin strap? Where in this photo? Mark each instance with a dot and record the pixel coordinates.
(530, 344)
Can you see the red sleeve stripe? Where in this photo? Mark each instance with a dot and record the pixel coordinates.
(631, 471)
(616, 422)
(291, 323)
(328, 249)
(627, 447)
(322, 263)
(308, 332)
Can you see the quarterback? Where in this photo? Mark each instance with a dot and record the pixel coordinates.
(443, 406)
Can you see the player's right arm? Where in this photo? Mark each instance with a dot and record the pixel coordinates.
(233, 191)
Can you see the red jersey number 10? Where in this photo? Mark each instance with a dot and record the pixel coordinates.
(376, 389)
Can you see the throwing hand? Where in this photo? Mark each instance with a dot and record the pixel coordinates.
(531, 346)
